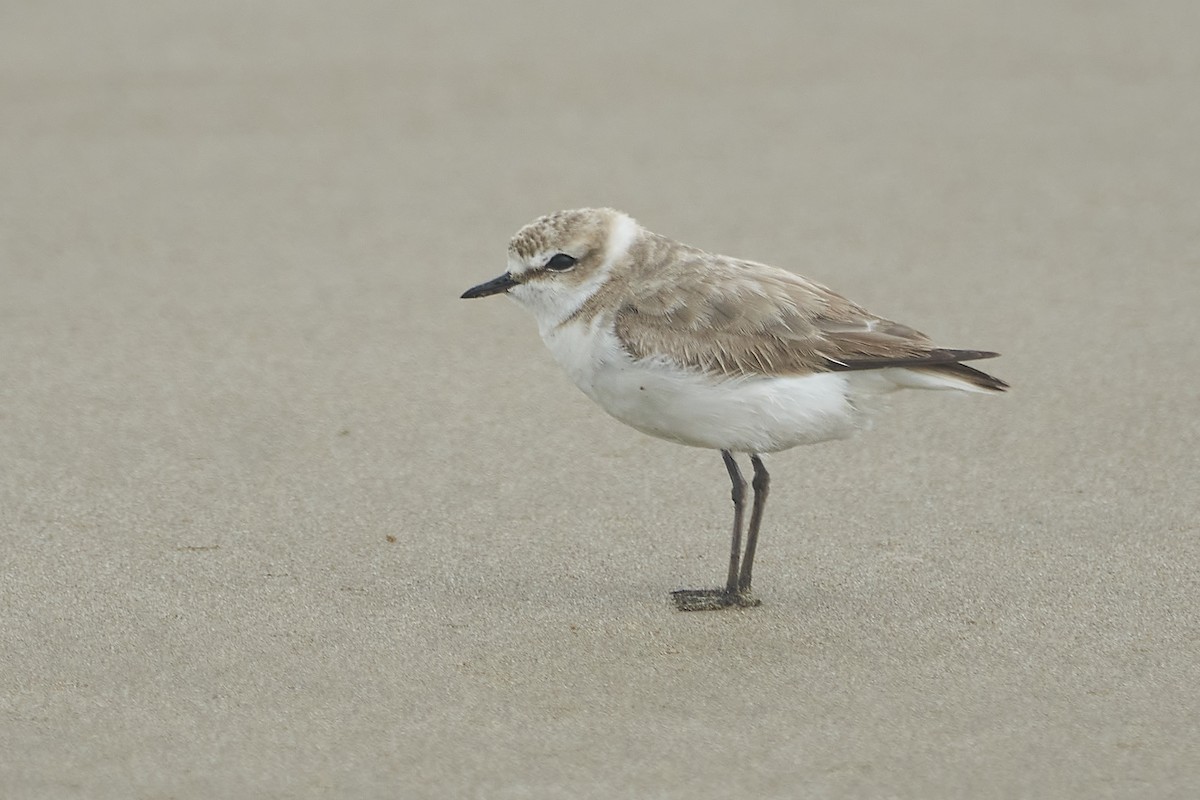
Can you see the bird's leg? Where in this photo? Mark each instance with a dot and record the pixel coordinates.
(710, 599)
(739, 506)
(762, 485)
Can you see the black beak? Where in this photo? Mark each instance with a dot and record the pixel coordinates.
(494, 286)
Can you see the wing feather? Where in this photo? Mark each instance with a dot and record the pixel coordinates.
(730, 317)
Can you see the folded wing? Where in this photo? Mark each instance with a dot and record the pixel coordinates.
(729, 317)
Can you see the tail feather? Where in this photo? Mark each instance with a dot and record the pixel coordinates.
(962, 374)
(938, 368)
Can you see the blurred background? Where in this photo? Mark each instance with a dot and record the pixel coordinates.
(281, 516)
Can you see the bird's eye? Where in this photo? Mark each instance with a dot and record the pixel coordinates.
(560, 262)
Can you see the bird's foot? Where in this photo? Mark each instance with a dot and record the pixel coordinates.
(712, 599)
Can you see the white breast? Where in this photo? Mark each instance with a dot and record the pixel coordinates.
(750, 414)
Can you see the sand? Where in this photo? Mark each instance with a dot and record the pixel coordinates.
(283, 517)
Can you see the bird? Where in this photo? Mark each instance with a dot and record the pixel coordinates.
(714, 352)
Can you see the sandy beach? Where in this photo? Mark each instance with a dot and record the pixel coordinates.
(282, 517)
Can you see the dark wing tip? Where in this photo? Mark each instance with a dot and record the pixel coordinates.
(927, 358)
(939, 360)
(966, 355)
